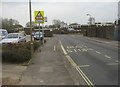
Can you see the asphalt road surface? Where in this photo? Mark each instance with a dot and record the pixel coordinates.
(99, 61)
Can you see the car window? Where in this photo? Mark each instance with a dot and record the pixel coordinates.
(4, 33)
(12, 36)
(37, 33)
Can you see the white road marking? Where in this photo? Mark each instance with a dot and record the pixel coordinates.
(75, 50)
(107, 56)
(76, 46)
(41, 81)
(82, 66)
(116, 61)
(79, 50)
(54, 47)
(89, 83)
(112, 64)
(68, 50)
(72, 35)
(68, 47)
(90, 49)
(107, 42)
(84, 50)
(98, 52)
(72, 46)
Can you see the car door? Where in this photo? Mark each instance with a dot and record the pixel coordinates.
(20, 38)
(23, 37)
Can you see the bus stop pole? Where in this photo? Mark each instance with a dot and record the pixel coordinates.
(43, 32)
(39, 33)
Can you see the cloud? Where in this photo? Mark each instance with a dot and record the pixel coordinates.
(65, 11)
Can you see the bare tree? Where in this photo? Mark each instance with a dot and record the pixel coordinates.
(56, 23)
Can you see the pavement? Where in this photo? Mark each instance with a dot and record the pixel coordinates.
(47, 67)
(11, 73)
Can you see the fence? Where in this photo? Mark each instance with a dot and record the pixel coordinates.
(107, 32)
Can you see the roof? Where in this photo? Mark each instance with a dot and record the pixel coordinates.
(3, 30)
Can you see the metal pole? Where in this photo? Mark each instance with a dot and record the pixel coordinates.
(31, 41)
(43, 32)
(39, 33)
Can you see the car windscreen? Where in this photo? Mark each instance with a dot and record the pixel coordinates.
(4, 33)
(12, 36)
(37, 33)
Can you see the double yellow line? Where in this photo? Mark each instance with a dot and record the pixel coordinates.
(89, 83)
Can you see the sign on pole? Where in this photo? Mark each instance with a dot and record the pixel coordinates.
(39, 17)
(45, 19)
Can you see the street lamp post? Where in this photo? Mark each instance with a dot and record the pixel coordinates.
(31, 41)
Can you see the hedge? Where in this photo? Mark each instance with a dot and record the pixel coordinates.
(17, 53)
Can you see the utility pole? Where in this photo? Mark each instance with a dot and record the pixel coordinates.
(31, 41)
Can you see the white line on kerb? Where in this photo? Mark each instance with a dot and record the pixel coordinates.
(98, 52)
(54, 47)
(107, 56)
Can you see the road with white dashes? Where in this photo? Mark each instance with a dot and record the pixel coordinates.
(99, 61)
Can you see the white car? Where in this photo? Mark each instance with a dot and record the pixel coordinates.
(3, 33)
(13, 38)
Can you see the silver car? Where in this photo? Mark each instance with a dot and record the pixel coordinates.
(3, 33)
(36, 36)
(13, 38)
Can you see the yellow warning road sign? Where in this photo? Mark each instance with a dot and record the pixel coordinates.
(39, 16)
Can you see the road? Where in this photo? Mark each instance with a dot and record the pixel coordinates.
(99, 61)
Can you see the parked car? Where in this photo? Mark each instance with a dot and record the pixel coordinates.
(13, 38)
(71, 30)
(36, 36)
(33, 33)
(3, 33)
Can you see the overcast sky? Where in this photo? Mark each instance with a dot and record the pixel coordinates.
(69, 11)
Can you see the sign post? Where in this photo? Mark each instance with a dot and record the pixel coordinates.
(39, 18)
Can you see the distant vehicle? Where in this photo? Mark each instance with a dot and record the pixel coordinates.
(3, 33)
(13, 38)
(36, 36)
(71, 30)
(33, 33)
